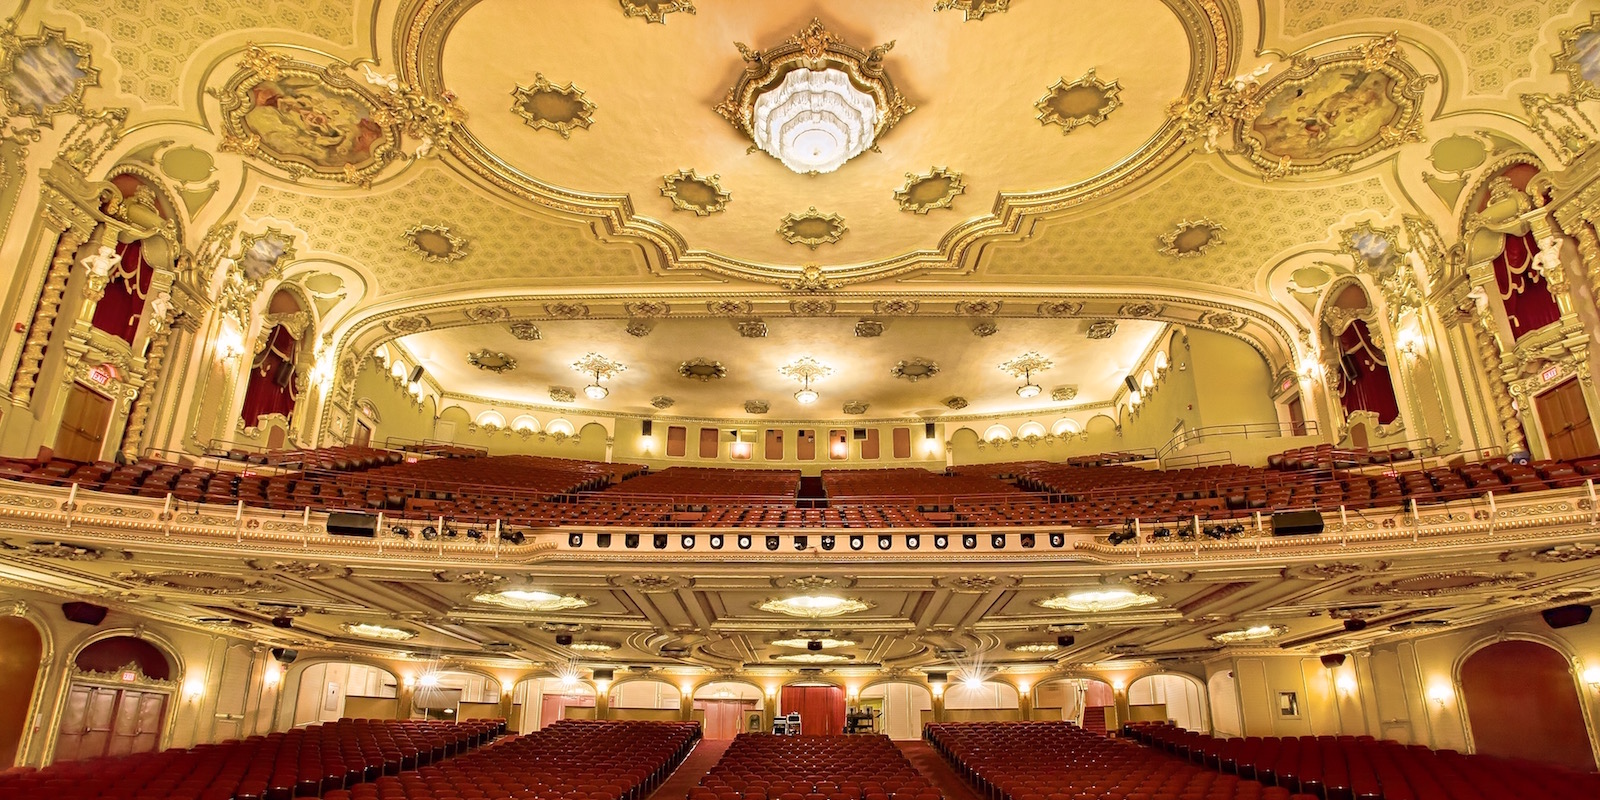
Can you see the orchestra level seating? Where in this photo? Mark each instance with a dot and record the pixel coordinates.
(762, 766)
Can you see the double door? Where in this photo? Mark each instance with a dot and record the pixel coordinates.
(109, 721)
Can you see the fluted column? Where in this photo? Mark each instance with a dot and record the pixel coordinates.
(44, 317)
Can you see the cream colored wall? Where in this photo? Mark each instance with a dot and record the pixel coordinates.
(644, 695)
(398, 415)
(1231, 382)
(1173, 400)
(1182, 699)
(903, 707)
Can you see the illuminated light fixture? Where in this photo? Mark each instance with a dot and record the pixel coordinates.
(1256, 633)
(1023, 367)
(813, 606)
(1034, 647)
(1591, 676)
(826, 644)
(840, 449)
(805, 370)
(194, 687)
(229, 341)
(1347, 685)
(601, 368)
(367, 630)
(532, 600)
(973, 681)
(272, 675)
(429, 680)
(811, 658)
(1440, 694)
(569, 679)
(814, 102)
(1098, 601)
(593, 647)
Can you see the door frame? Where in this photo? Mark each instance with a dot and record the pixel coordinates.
(97, 680)
(1538, 419)
(141, 681)
(111, 415)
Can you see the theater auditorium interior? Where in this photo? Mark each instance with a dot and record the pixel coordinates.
(812, 400)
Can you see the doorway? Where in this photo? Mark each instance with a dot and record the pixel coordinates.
(363, 434)
(727, 709)
(1568, 431)
(83, 424)
(1503, 682)
(109, 721)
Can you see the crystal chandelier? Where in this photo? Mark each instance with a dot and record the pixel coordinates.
(814, 102)
(1023, 367)
(601, 368)
(815, 120)
(805, 370)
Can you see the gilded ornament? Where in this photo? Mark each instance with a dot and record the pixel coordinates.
(548, 106)
(487, 315)
(899, 307)
(914, 369)
(935, 189)
(812, 308)
(566, 310)
(730, 308)
(855, 407)
(955, 403)
(869, 328)
(812, 228)
(656, 10)
(45, 74)
(436, 244)
(662, 402)
(978, 308)
(640, 327)
(1062, 394)
(1085, 101)
(1141, 310)
(985, 329)
(812, 279)
(492, 361)
(689, 191)
(972, 9)
(752, 329)
(647, 309)
(1060, 308)
(1101, 329)
(702, 370)
(757, 406)
(525, 330)
(562, 394)
(1191, 238)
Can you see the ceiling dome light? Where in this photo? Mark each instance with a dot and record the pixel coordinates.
(806, 396)
(1098, 601)
(532, 600)
(595, 391)
(1027, 390)
(826, 643)
(1255, 633)
(814, 605)
(370, 631)
(815, 120)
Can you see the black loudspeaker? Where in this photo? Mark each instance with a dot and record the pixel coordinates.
(604, 674)
(1066, 641)
(284, 655)
(1333, 660)
(344, 523)
(1133, 385)
(285, 374)
(646, 427)
(86, 613)
(416, 374)
(283, 622)
(927, 430)
(938, 677)
(859, 434)
(1566, 616)
(1353, 625)
(1296, 523)
(814, 645)
(564, 639)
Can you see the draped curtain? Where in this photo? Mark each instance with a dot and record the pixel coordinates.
(271, 387)
(1523, 291)
(1363, 382)
(118, 312)
(821, 708)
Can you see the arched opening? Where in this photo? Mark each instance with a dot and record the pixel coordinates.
(333, 690)
(1223, 692)
(966, 701)
(1524, 293)
(1089, 702)
(649, 699)
(538, 702)
(1522, 703)
(899, 709)
(452, 695)
(21, 651)
(1174, 698)
(129, 266)
(117, 700)
(273, 384)
(1362, 380)
(728, 708)
(820, 707)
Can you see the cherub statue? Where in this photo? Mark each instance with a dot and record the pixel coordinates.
(1548, 260)
(103, 262)
(161, 306)
(376, 78)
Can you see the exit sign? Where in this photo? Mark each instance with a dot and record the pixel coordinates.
(1550, 372)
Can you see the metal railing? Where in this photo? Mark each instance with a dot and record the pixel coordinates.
(1258, 430)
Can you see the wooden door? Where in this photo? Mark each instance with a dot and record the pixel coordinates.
(103, 721)
(1297, 417)
(1568, 431)
(363, 434)
(83, 424)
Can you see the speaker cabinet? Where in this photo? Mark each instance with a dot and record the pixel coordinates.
(1353, 625)
(416, 374)
(927, 430)
(647, 427)
(284, 655)
(1132, 384)
(1566, 616)
(86, 613)
(344, 523)
(1297, 523)
(1333, 660)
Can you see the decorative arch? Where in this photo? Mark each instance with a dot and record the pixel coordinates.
(22, 678)
(295, 679)
(1505, 243)
(146, 698)
(280, 363)
(1075, 700)
(1188, 712)
(901, 714)
(1355, 359)
(1497, 679)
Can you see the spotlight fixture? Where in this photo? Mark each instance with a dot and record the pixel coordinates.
(941, 541)
(828, 541)
(805, 370)
(997, 541)
(686, 541)
(913, 541)
(716, 541)
(630, 540)
(744, 541)
(602, 539)
(857, 542)
(885, 542)
(969, 541)
(573, 539)
(1128, 533)
(430, 533)
(772, 542)
(801, 542)
(1058, 539)
(1023, 367)
(601, 368)
(659, 540)
(401, 531)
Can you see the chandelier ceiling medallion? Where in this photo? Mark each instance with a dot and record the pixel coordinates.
(601, 368)
(814, 102)
(1023, 367)
(805, 370)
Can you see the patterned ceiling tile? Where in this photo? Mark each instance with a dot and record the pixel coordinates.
(1496, 36)
(1267, 217)
(154, 39)
(507, 245)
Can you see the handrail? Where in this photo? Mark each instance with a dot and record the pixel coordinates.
(1260, 430)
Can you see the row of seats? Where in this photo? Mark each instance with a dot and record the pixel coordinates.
(762, 766)
(313, 761)
(568, 760)
(913, 483)
(1058, 760)
(1362, 768)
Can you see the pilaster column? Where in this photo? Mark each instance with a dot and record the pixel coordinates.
(44, 317)
(160, 335)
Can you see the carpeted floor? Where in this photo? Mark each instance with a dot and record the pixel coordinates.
(938, 771)
(706, 754)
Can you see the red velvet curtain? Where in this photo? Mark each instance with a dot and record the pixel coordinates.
(1364, 383)
(271, 388)
(119, 310)
(821, 708)
(1527, 299)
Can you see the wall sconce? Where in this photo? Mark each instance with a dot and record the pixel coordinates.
(429, 680)
(229, 342)
(1345, 684)
(1310, 369)
(1440, 694)
(1118, 685)
(1408, 341)
(1022, 687)
(1591, 678)
(411, 681)
(194, 688)
(271, 677)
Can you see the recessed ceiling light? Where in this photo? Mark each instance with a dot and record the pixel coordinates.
(1252, 634)
(532, 600)
(827, 644)
(1035, 647)
(811, 658)
(594, 647)
(367, 630)
(814, 605)
(1098, 600)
